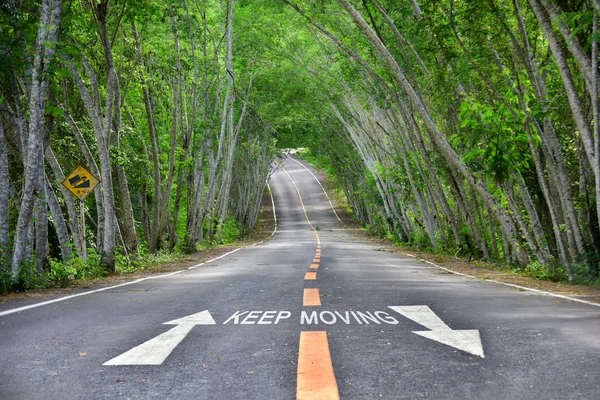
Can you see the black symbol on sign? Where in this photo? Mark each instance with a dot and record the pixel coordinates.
(81, 181)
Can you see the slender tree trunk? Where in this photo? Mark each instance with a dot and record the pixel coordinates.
(91, 164)
(41, 220)
(570, 88)
(47, 35)
(59, 222)
(69, 200)
(4, 201)
(184, 133)
(166, 196)
(149, 103)
(596, 105)
(452, 158)
(130, 237)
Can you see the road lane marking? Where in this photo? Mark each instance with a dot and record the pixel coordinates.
(317, 260)
(315, 377)
(156, 350)
(322, 188)
(310, 276)
(422, 315)
(303, 207)
(560, 296)
(57, 300)
(314, 266)
(467, 340)
(311, 297)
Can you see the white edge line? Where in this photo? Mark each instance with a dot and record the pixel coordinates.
(322, 188)
(560, 296)
(43, 303)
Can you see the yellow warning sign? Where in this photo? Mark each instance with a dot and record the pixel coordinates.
(81, 182)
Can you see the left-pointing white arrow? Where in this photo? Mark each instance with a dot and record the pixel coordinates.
(156, 350)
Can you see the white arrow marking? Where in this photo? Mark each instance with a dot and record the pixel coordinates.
(422, 315)
(156, 350)
(465, 340)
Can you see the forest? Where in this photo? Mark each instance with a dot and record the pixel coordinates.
(461, 127)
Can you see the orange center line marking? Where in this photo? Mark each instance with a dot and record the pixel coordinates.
(316, 379)
(310, 276)
(314, 266)
(311, 297)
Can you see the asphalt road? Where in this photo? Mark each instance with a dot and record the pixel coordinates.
(248, 311)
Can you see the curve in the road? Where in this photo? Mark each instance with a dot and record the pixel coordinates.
(315, 376)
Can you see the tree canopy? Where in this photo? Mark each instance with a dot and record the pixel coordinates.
(467, 127)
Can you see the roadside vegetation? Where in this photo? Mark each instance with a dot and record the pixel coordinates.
(466, 128)
(424, 250)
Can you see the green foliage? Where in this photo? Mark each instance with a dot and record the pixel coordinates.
(231, 231)
(28, 278)
(585, 271)
(538, 271)
(459, 57)
(493, 139)
(5, 277)
(145, 261)
(60, 274)
(319, 160)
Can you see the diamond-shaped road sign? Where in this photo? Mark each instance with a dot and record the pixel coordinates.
(80, 182)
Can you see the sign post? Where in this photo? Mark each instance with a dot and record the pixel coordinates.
(81, 183)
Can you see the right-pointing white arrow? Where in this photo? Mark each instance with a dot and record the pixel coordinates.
(465, 340)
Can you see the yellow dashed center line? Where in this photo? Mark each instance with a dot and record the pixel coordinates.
(304, 208)
(316, 379)
(311, 297)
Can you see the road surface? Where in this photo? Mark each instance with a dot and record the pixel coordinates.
(312, 313)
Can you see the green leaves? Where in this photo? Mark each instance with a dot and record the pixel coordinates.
(493, 137)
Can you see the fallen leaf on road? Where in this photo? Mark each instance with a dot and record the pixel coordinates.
(250, 372)
(58, 342)
(82, 353)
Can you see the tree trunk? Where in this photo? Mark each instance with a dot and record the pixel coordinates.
(47, 35)
(130, 237)
(149, 103)
(59, 222)
(570, 89)
(4, 201)
(452, 158)
(74, 226)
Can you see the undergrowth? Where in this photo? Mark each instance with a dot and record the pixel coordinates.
(62, 274)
